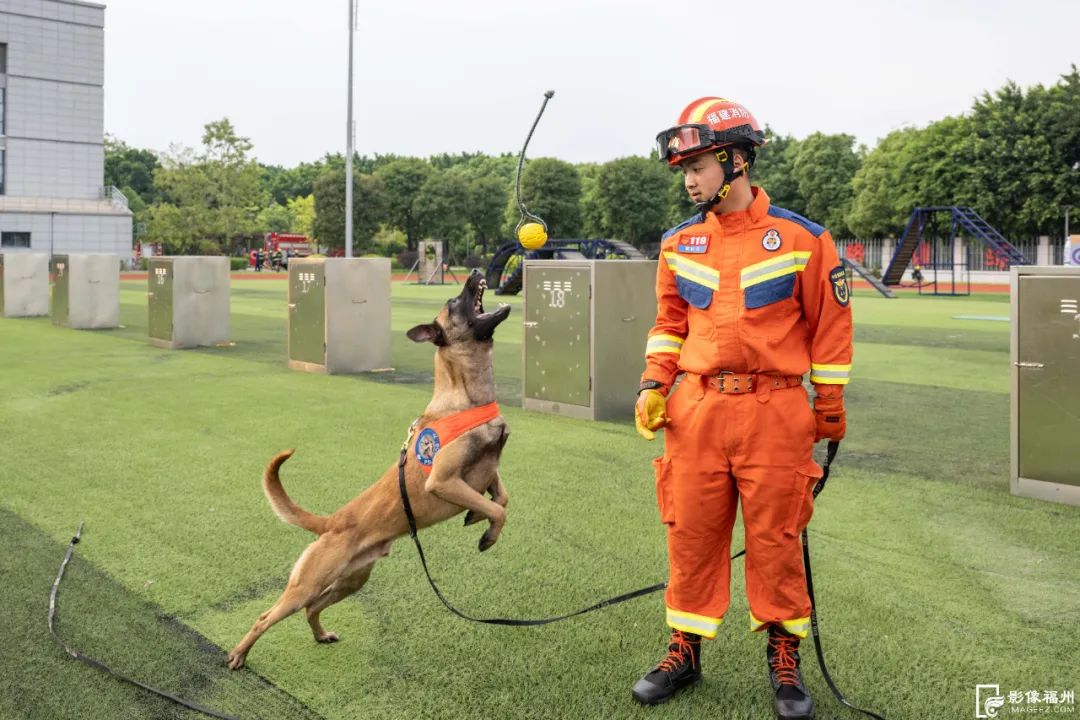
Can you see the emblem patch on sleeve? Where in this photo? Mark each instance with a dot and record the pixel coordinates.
(838, 281)
(694, 244)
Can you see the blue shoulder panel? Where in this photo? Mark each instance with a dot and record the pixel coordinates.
(693, 220)
(779, 212)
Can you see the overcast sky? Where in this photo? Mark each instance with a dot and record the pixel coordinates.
(469, 75)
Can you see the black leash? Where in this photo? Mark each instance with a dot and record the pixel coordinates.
(101, 666)
(496, 621)
(830, 455)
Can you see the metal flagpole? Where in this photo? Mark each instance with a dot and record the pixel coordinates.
(349, 140)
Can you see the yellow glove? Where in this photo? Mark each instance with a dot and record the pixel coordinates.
(650, 413)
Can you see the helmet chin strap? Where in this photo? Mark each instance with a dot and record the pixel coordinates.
(727, 164)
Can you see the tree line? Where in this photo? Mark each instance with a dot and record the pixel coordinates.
(1014, 157)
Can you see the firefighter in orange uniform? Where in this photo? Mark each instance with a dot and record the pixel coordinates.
(750, 298)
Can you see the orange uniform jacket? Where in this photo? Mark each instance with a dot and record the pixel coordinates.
(754, 291)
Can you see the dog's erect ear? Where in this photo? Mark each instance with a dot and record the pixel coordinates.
(427, 333)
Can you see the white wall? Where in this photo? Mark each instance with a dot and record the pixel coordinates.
(72, 233)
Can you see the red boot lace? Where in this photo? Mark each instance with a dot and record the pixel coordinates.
(783, 659)
(679, 649)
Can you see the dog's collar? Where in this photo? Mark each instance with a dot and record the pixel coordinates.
(435, 435)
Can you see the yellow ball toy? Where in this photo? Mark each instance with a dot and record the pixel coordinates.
(532, 236)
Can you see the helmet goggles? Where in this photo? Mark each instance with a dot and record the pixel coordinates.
(683, 141)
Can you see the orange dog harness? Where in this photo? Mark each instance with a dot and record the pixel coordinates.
(439, 433)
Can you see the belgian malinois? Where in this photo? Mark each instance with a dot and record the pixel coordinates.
(350, 540)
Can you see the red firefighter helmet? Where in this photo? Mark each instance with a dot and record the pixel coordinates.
(709, 123)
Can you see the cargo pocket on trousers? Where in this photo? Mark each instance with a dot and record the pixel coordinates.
(664, 496)
(802, 498)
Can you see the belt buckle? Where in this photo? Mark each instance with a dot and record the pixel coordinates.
(720, 379)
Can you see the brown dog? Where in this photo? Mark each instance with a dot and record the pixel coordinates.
(339, 562)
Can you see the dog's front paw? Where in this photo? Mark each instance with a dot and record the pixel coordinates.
(327, 637)
(236, 660)
(488, 539)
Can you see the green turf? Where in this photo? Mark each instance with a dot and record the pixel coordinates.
(42, 682)
(931, 577)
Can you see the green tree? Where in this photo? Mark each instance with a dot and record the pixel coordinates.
(369, 208)
(302, 210)
(633, 195)
(215, 194)
(679, 204)
(824, 167)
(136, 203)
(592, 212)
(502, 166)
(937, 167)
(178, 229)
(877, 209)
(130, 168)
(283, 184)
(551, 189)
(275, 218)
(487, 198)
(445, 161)
(1010, 158)
(1061, 125)
(367, 165)
(1024, 147)
(441, 206)
(402, 179)
(774, 170)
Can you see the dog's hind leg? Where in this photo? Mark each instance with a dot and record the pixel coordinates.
(290, 601)
(319, 566)
(354, 578)
(340, 590)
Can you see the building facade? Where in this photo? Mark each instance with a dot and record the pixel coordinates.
(52, 154)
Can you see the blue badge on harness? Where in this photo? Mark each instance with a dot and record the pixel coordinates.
(427, 446)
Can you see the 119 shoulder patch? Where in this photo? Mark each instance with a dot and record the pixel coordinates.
(838, 280)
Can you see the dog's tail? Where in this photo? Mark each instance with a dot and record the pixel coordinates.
(283, 505)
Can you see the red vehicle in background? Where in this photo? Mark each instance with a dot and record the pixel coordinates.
(295, 245)
(288, 245)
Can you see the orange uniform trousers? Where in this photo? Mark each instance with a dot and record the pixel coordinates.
(722, 449)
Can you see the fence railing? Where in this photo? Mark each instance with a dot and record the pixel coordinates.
(115, 196)
(876, 253)
(868, 253)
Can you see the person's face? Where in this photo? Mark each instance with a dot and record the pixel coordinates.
(703, 176)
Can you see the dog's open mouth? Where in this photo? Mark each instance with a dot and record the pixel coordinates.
(483, 323)
(478, 301)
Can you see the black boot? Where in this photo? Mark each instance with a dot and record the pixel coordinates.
(791, 701)
(681, 668)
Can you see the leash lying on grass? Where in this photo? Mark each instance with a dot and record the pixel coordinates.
(495, 621)
(82, 657)
(830, 455)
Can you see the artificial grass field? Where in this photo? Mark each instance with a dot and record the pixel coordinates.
(931, 578)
